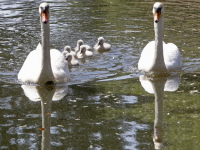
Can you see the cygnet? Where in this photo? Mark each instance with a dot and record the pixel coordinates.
(79, 43)
(101, 46)
(68, 50)
(71, 60)
(83, 53)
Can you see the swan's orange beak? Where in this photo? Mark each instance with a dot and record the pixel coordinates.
(45, 17)
(157, 16)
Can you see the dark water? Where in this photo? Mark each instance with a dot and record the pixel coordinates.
(107, 104)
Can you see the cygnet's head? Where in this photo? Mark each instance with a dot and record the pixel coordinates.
(80, 42)
(82, 49)
(68, 57)
(65, 53)
(67, 48)
(44, 12)
(158, 11)
(100, 40)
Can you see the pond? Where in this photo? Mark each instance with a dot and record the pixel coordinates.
(107, 104)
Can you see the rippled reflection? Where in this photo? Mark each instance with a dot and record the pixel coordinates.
(45, 94)
(157, 86)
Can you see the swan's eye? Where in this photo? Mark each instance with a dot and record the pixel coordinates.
(158, 9)
(44, 9)
(47, 8)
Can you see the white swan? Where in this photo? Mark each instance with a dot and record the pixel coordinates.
(79, 43)
(158, 56)
(101, 46)
(84, 53)
(43, 65)
(69, 50)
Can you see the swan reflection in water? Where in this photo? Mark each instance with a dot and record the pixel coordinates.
(46, 94)
(157, 86)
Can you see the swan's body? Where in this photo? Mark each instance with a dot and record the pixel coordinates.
(84, 53)
(101, 46)
(71, 60)
(158, 56)
(43, 65)
(79, 44)
(68, 50)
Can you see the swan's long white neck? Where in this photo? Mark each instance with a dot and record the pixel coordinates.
(159, 65)
(46, 70)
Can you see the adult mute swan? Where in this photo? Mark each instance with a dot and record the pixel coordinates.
(101, 46)
(43, 66)
(158, 56)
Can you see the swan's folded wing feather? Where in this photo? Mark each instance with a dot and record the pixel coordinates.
(146, 58)
(31, 68)
(59, 66)
(172, 57)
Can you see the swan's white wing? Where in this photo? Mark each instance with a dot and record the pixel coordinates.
(59, 66)
(32, 66)
(146, 58)
(172, 57)
(39, 47)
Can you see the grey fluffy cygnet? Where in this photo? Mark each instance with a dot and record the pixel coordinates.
(101, 46)
(79, 43)
(71, 60)
(68, 50)
(83, 53)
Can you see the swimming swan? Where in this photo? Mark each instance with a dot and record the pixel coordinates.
(158, 56)
(43, 66)
(101, 46)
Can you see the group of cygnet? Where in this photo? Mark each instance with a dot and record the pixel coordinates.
(83, 51)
